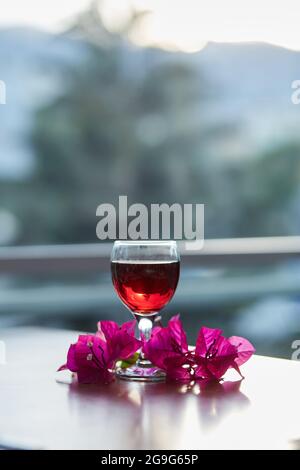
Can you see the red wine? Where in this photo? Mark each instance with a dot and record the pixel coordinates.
(145, 287)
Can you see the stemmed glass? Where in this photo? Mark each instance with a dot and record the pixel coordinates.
(145, 276)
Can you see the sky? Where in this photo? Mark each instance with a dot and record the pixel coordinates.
(184, 25)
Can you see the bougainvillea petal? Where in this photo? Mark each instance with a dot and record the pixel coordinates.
(207, 337)
(202, 372)
(159, 347)
(129, 327)
(92, 345)
(122, 345)
(94, 356)
(107, 329)
(178, 333)
(163, 346)
(216, 352)
(244, 349)
(71, 360)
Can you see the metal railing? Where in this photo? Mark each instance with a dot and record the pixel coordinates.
(94, 257)
(20, 301)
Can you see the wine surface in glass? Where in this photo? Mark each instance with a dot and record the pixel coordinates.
(145, 287)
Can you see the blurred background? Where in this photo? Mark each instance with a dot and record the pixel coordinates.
(164, 102)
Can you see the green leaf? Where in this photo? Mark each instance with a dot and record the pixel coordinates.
(128, 362)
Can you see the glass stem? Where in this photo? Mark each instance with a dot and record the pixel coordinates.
(145, 325)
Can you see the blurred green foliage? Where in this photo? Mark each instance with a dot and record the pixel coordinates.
(144, 134)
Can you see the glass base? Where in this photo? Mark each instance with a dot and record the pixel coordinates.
(142, 374)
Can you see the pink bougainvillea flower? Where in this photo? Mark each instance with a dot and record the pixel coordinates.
(167, 346)
(209, 360)
(214, 354)
(168, 349)
(89, 359)
(93, 357)
(121, 342)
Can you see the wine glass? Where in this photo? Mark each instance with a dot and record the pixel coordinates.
(145, 276)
